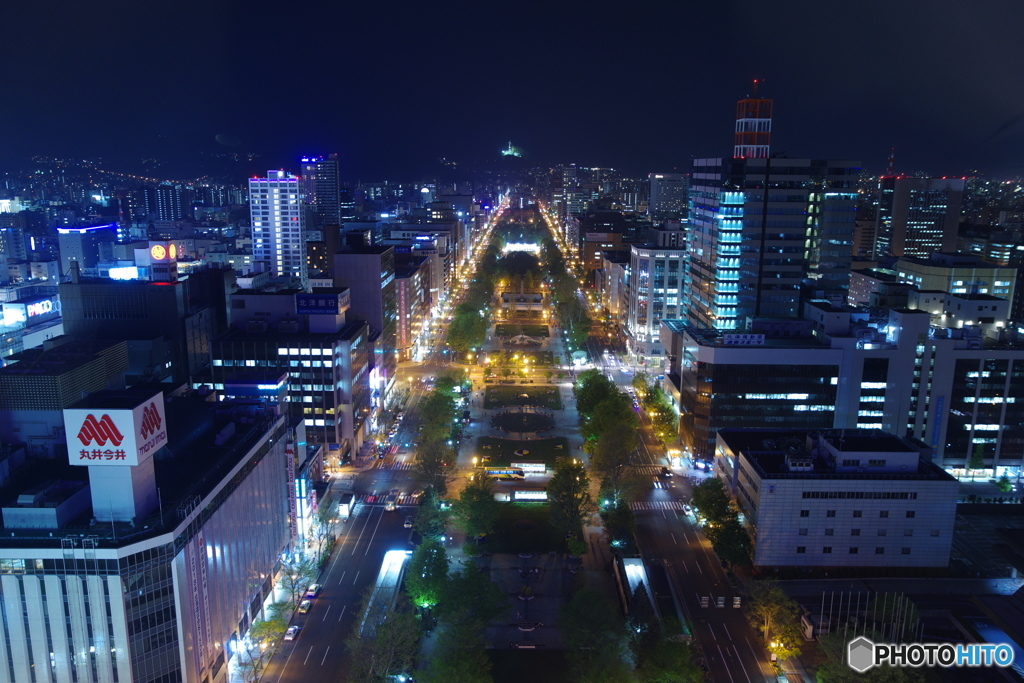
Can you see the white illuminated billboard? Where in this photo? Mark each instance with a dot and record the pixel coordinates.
(117, 437)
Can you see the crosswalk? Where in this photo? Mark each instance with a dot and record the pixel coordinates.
(381, 499)
(647, 469)
(401, 466)
(656, 505)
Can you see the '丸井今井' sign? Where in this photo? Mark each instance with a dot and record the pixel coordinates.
(117, 435)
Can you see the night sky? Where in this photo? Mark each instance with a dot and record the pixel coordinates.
(394, 86)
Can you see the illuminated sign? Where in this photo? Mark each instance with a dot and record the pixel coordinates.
(743, 339)
(318, 304)
(529, 495)
(39, 308)
(531, 467)
(115, 437)
(69, 231)
(158, 252)
(173, 251)
(124, 273)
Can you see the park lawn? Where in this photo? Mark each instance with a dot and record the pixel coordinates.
(503, 396)
(513, 329)
(502, 451)
(539, 537)
(537, 666)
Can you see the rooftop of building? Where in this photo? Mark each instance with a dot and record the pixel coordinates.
(286, 331)
(125, 399)
(829, 307)
(879, 275)
(680, 249)
(55, 357)
(616, 255)
(978, 297)
(289, 291)
(707, 336)
(365, 249)
(770, 451)
(951, 260)
(187, 469)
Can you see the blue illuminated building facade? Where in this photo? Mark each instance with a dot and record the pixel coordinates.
(754, 255)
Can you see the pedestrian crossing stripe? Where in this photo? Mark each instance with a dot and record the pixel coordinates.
(401, 466)
(380, 500)
(647, 469)
(656, 505)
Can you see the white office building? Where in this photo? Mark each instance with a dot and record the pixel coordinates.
(152, 568)
(654, 292)
(854, 498)
(278, 226)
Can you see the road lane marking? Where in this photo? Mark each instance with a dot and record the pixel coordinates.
(686, 538)
(673, 538)
(329, 649)
(722, 655)
(663, 514)
(307, 656)
(363, 530)
(683, 562)
(370, 542)
(356, 579)
(742, 665)
(342, 577)
(698, 566)
(342, 612)
(757, 657)
(325, 613)
(726, 629)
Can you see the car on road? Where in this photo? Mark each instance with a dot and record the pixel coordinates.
(687, 509)
(666, 472)
(305, 606)
(408, 523)
(313, 591)
(292, 633)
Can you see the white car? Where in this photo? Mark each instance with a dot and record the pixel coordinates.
(292, 633)
(687, 510)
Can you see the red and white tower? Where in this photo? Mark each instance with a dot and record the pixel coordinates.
(753, 137)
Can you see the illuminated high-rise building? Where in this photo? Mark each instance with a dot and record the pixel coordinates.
(763, 229)
(751, 255)
(668, 195)
(331, 203)
(918, 216)
(278, 225)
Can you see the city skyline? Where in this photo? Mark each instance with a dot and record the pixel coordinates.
(397, 97)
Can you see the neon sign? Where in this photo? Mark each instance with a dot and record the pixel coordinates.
(39, 308)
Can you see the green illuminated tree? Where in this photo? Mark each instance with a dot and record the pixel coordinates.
(569, 496)
(777, 617)
(389, 649)
(426, 574)
(476, 510)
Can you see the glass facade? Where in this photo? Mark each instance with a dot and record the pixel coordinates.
(714, 397)
(328, 379)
